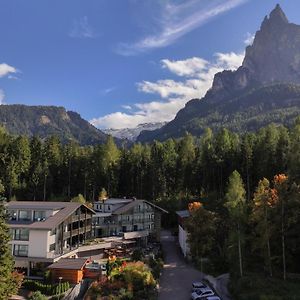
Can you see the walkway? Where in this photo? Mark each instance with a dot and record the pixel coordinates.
(177, 277)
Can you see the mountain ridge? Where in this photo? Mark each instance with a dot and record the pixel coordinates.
(43, 121)
(272, 59)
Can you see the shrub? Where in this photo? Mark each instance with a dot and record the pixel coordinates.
(47, 289)
(137, 255)
(37, 296)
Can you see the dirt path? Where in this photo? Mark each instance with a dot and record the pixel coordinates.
(177, 277)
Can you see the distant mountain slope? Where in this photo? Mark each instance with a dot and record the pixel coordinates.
(132, 133)
(253, 109)
(44, 121)
(264, 89)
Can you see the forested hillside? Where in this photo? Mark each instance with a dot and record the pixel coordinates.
(36, 169)
(44, 121)
(248, 110)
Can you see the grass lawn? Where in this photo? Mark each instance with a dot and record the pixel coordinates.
(257, 287)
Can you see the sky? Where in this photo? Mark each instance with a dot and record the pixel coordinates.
(120, 63)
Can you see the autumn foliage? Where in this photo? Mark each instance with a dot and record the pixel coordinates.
(193, 206)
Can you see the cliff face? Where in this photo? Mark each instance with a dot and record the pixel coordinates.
(273, 59)
(275, 52)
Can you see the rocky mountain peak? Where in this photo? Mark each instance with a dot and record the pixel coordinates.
(278, 15)
(274, 56)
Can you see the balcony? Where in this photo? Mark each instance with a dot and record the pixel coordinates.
(75, 232)
(80, 218)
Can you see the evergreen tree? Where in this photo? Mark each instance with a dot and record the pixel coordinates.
(8, 285)
(235, 203)
(201, 227)
(261, 216)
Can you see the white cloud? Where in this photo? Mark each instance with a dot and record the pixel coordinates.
(249, 38)
(127, 107)
(2, 96)
(176, 20)
(189, 67)
(229, 61)
(198, 76)
(82, 29)
(6, 69)
(107, 90)
(118, 120)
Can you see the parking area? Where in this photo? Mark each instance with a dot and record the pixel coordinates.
(177, 275)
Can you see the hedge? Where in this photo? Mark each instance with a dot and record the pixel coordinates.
(46, 289)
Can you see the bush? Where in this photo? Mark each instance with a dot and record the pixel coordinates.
(137, 255)
(47, 289)
(37, 296)
(156, 266)
(58, 297)
(256, 286)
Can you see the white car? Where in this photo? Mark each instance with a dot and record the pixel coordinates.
(198, 285)
(213, 298)
(202, 293)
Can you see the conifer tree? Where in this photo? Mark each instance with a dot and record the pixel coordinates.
(8, 286)
(235, 203)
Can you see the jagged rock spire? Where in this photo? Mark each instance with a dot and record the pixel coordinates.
(278, 14)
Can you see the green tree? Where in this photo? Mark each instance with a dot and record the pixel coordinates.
(201, 227)
(235, 203)
(79, 199)
(261, 217)
(8, 285)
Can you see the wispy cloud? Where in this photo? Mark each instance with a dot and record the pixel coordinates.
(177, 20)
(82, 29)
(249, 38)
(195, 78)
(127, 107)
(6, 69)
(107, 90)
(2, 96)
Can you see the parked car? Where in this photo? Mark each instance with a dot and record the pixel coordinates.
(198, 284)
(202, 293)
(103, 267)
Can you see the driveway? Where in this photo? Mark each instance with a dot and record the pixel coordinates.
(177, 277)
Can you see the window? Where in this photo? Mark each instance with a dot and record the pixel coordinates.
(21, 250)
(21, 234)
(108, 207)
(12, 215)
(52, 247)
(24, 215)
(53, 231)
(39, 215)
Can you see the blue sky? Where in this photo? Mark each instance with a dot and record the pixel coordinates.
(123, 62)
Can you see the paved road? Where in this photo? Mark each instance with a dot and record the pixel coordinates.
(177, 276)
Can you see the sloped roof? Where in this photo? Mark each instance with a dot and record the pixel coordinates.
(65, 210)
(183, 213)
(133, 203)
(69, 264)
